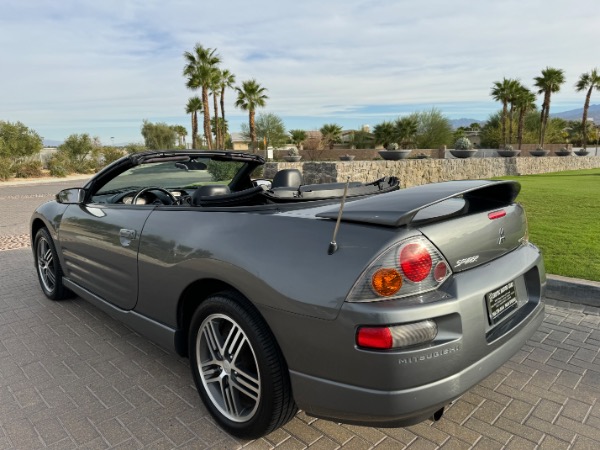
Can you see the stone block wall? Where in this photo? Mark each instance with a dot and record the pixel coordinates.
(423, 171)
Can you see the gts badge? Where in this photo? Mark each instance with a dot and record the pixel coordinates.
(464, 261)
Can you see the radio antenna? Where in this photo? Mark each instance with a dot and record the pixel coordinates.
(333, 244)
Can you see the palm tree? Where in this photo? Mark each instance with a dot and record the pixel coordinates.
(406, 129)
(385, 133)
(331, 132)
(199, 69)
(215, 90)
(227, 81)
(524, 101)
(297, 136)
(503, 91)
(548, 83)
(249, 97)
(181, 134)
(194, 105)
(587, 81)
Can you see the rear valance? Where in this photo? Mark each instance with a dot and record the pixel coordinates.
(398, 208)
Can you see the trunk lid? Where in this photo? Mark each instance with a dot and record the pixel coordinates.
(475, 239)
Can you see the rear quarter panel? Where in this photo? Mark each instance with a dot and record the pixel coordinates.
(276, 261)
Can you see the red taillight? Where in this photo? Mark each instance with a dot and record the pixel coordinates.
(496, 214)
(380, 338)
(415, 262)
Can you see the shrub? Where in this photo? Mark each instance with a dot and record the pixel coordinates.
(6, 168)
(463, 143)
(223, 170)
(28, 169)
(58, 165)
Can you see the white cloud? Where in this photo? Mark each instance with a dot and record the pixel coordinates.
(102, 67)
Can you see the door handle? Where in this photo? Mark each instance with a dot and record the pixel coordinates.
(127, 234)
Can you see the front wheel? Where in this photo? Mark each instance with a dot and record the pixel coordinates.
(48, 267)
(238, 368)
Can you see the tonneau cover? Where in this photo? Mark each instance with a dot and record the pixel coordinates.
(398, 208)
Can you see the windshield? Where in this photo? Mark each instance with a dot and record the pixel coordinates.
(173, 175)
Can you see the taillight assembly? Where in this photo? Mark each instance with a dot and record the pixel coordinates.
(410, 267)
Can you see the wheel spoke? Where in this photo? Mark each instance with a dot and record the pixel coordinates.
(212, 340)
(211, 372)
(48, 256)
(231, 405)
(248, 389)
(232, 343)
(50, 276)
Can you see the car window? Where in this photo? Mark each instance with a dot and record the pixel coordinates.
(171, 175)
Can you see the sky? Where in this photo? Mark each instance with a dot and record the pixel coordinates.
(102, 67)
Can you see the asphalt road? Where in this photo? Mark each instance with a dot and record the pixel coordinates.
(72, 377)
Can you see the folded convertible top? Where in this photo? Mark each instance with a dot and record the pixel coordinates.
(398, 208)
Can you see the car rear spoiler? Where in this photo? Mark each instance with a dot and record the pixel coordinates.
(398, 208)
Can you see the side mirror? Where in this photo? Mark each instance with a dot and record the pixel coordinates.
(71, 196)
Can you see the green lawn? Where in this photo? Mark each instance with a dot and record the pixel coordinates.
(563, 210)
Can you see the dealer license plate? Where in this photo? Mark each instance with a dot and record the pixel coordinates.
(500, 301)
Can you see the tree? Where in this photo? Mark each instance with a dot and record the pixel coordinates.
(297, 137)
(250, 96)
(201, 65)
(181, 134)
(406, 130)
(158, 136)
(332, 133)
(227, 81)
(78, 150)
(504, 91)
(269, 129)
(215, 90)
(589, 81)
(194, 105)
(434, 130)
(548, 83)
(385, 133)
(524, 101)
(17, 141)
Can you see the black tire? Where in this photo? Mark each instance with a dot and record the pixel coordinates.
(48, 267)
(245, 382)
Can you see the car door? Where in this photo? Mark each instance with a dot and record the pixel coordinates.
(100, 245)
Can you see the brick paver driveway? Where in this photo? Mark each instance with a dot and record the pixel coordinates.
(72, 377)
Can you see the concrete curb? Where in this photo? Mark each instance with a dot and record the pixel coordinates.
(573, 290)
(45, 180)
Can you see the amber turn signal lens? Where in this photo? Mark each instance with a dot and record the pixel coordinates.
(386, 282)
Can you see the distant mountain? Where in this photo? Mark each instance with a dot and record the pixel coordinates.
(456, 123)
(576, 114)
(51, 143)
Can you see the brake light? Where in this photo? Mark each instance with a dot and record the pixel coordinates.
(380, 338)
(397, 336)
(496, 214)
(415, 262)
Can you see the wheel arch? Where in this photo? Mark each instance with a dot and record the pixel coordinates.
(191, 298)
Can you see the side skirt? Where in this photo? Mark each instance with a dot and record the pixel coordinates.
(167, 337)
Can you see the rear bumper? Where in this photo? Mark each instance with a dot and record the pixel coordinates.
(334, 379)
(356, 405)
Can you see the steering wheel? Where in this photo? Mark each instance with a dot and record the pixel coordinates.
(154, 188)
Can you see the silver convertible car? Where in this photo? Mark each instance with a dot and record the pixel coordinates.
(355, 302)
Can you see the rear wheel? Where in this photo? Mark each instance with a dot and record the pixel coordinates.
(48, 267)
(238, 368)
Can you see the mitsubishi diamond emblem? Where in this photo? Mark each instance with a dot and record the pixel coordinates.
(502, 237)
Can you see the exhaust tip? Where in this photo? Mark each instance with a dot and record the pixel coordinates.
(437, 415)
